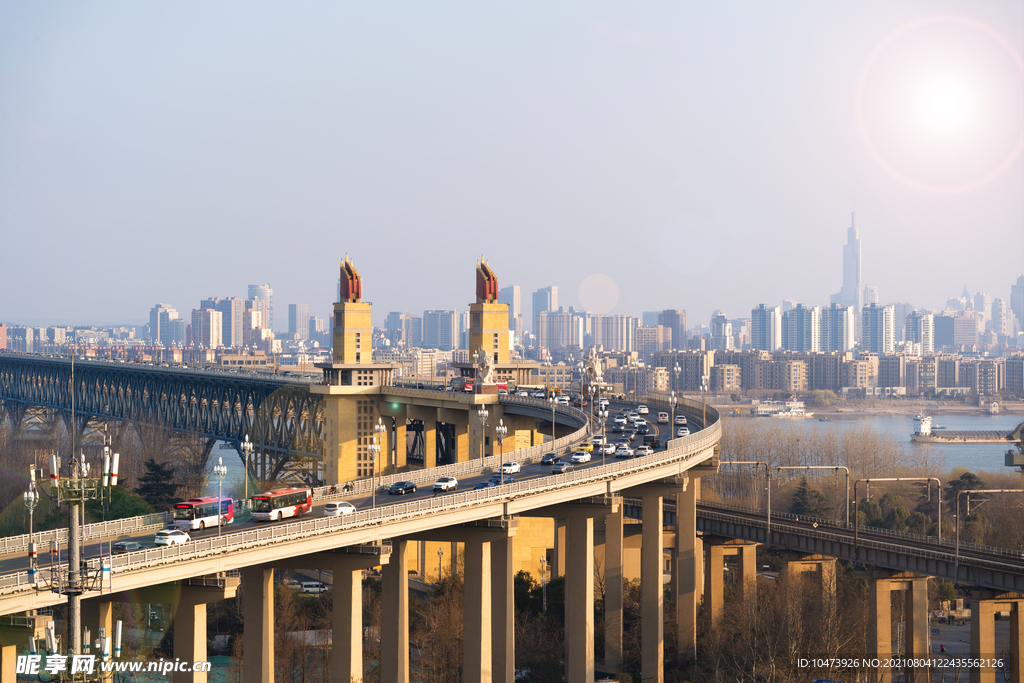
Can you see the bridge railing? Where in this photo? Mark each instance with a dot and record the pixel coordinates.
(117, 527)
(682, 450)
(91, 532)
(830, 535)
(526, 455)
(946, 543)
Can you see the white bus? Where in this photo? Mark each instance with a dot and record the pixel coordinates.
(199, 513)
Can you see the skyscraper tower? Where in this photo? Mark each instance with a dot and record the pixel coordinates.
(852, 292)
(264, 293)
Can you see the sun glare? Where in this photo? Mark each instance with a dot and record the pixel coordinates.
(939, 104)
(945, 106)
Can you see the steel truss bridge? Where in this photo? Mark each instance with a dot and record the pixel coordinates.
(283, 419)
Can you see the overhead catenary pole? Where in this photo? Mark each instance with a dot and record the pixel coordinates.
(956, 565)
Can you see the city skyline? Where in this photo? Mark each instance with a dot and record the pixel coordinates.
(612, 168)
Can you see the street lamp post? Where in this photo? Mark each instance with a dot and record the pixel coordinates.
(378, 433)
(551, 399)
(672, 401)
(677, 370)
(501, 431)
(482, 414)
(440, 554)
(246, 453)
(374, 450)
(544, 582)
(591, 391)
(704, 394)
(31, 498)
(220, 471)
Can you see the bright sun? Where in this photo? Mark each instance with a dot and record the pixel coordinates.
(945, 105)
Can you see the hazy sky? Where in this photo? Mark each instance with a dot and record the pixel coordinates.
(700, 155)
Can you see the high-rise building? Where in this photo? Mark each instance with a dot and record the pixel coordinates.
(545, 299)
(721, 332)
(511, 295)
(207, 328)
(1001, 317)
(160, 329)
(264, 293)
(298, 320)
(649, 318)
(413, 331)
(614, 332)
(919, 328)
(1017, 299)
(879, 328)
(870, 295)
(231, 310)
(801, 329)
(850, 294)
(561, 329)
(902, 309)
(441, 330)
(765, 328)
(983, 306)
(675, 320)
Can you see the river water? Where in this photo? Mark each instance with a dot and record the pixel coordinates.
(973, 456)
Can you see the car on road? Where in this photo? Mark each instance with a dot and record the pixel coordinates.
(663, 418)
(643, 450)
(642, 409)
(125, 547)
(580, 457)
(446, 484)
(643, 429)
(681, 420)
(608, 449)
(510, 468)
(562, 468)
(171, 537)
(522, 392)
(629, 433)
(401, 487)
(682, 431)
(618, 428)
(337, 508)
(484, 485)
(603, 403)
(538, 394)
(562, 400)
(549, 459)
(620, 420)
(500, 479)
(312, 587)
(588, 447)
(623, 452)
(597, 440)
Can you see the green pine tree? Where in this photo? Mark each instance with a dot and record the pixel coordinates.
(157, 486)
(808, 502)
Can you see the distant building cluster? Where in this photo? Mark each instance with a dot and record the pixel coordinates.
(857, 343)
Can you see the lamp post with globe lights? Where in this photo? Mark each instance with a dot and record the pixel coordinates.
(482, 414)
(440, 554)
(374, 450)
(704, 393)
(220, 471)
(501, 431)
(378, 434)
(246, 453)
(672, 401)
(31, 498)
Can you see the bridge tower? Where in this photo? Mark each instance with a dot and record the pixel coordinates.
(352, 382)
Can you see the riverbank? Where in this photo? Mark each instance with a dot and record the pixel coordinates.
(894, 407)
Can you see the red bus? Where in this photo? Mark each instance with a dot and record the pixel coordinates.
(199, 513)
(276, 505)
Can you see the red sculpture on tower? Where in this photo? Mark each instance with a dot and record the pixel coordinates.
(351, 283)
(486, 283)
